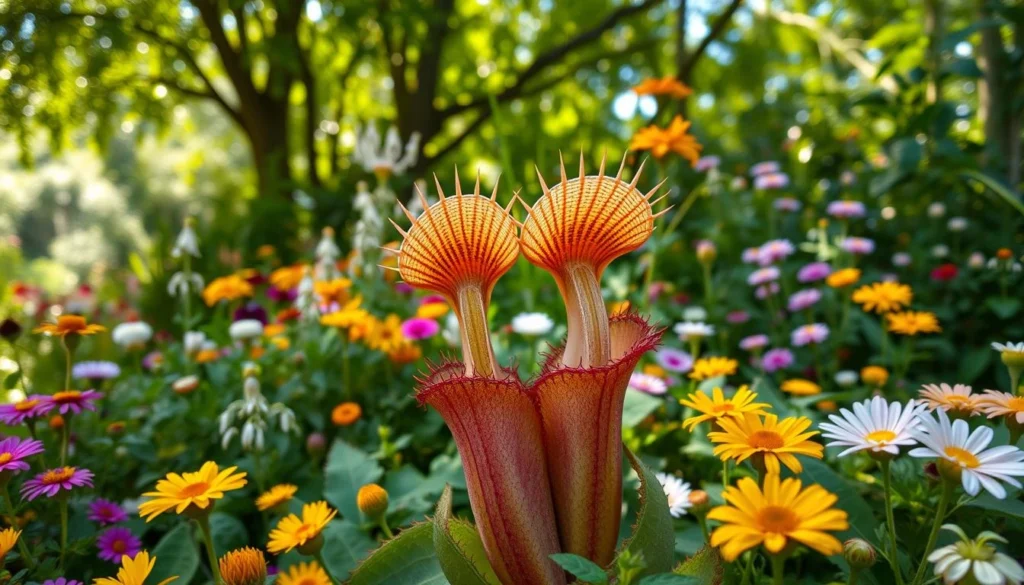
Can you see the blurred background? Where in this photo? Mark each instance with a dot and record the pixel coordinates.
(119, 118)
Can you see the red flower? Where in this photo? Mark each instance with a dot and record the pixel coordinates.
(945, 272)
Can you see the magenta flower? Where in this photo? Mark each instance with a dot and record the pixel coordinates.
(764, 291)
(153, 360)
(814, 272)
(858, 246)
(774, 251)
(764, 168)
(771, 181)
(647, 384)
(750, 255)
(803, 299)
(737, 317)
(763, 276)
(674, 360)
(33, 406)
(14, 451)
(776, 359)
(754, 342)
(706, 163)
(403, 288)
(50, 483)
(419, 328)
(788, 204)
(432, 299)
(846, 209)
(117, 542)
(106, 512)
(74, 401)
(61, 581)
(807, 334)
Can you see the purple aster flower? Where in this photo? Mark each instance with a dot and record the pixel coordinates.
(33, 406)
(95, 371)
(774, 251)
(674, 360)
(814, 272)
(282, 296)
(857, 246)
(763, 168)
(61, 581)
(14, 451)
(419, 328)
(846, 209)
(803, 299)
(788, 204)
(647, 384)
(106, 512)
(763, 275)
(764, 291)
(403, 288)
(50, 483)
(117, 542)
(776, 359)
(901, 259)
(771, 181)
(751, 255)
(807, 334)
(706, 163)
(737, 317)
(754, 342)
(250, 311)
(74, 401)
(153, 360)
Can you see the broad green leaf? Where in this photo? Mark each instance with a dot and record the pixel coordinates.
(583, 569)
(1004, 308)
(1005, 193)
(669, 579)
(177, 555)
(1009, 507)
(638, 406)
(11, 380)
(228, 532)
(347, 470)
(974, 364)
(652, 535)
(705, 567)
(907, 153)
(459, 548)
(767, 392)
(345, 545)
(407, 559)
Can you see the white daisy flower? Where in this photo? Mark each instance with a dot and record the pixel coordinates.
(963, 454)
(677, 492)
(694, 314)
(132, 334)
(691, 330)
(1011, 353)
(532, 324)
(647, 384)
(989, 566)
(846, 378)
(874, 425)
(245, 329)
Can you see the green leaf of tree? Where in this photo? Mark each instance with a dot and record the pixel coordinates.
(584, 570)
(652, 535)
(347, 470)
(407, 559)
(459, 548)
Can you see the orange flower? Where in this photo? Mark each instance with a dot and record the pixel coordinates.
(205, 356)
(226, 288)
(405, 353)
(70, 325)
(661, 141)
(287, 277)
(332, 291)
(668, 85)
(346, 413)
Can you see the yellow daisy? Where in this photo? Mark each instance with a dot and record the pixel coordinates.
(226, 288)
(780, 512)
(133, 571)
(191, 491)
(386, 335)
(995, 403)
(717, 406)
(70, 325)
(348, 315)
(275, 496)
(304, 574)
(913, 322)
(713, 367)
(957, 400)
(287, 277)
(800, 387)
(293, 531)
(883, 297)
(874, 375)
(432, 310)
(8, 538)
(768, 440)
(843, 278)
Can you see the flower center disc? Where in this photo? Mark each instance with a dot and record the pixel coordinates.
(766, 440)
(66, 396)
(25, 405)
(58, 475)
(1015, 404)
(194, 489)
(777, 519)
(963, 457)
(881, 436)
(119, 546)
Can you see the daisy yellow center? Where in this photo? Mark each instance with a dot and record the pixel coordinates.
(777, 519)
(59, 475)
(5, 457)
(765, 439)
(880, 436)
(308, 581)
(70, 323)
(1015, 404)
(963, 457)
(66, 396)
(26, 405)
(193, 490)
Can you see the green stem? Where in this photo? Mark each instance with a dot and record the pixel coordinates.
(854, 574)
(725, 473)
(186, 301)
(384, 526)
(777, 573)
(345, 376)
(65, 436)
(63, 530)
(13, 521)
(1014, 380)
(894, 550)
(204, 526)
(320, 560)
(703, 522)
(67, 362)
(21, 371)
(940, 515)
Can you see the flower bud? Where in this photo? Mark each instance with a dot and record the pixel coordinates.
(116, 428)
(185, 385)
(372, 501)
(706, 252)
(10, 330)
(57, 422)
(316, 444)
(245, 566)
(1004, 253)
(859, 553)
(1013, 360)
(700, 503)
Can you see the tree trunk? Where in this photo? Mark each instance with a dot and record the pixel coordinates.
(269, 142)
(993, 94)
(682, 70)
(933, 28)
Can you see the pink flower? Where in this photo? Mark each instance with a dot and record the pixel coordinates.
(764, 291)
(807, 334)
(432, 299)
(803, 299)
(706, 163)
(788, 204)
(771, 181)
(764, 168)
(50, 483)
(647, 384)
(403, 288)
(777, 359)
(737, 317)
(106, 512)
(419, 328)
(14, 451)
(31, 407)
(763, 276)
(858, 246)
(674, 360)
(846, 209)
(774, 251)
(117, 542)
(814, 272)
(752, 342)
(751, 255)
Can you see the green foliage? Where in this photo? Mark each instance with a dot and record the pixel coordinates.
(652, 536)
(177, 555)
(459, 548)
(407, 559)
(704, 568)
(583, 569)
(347, 470)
